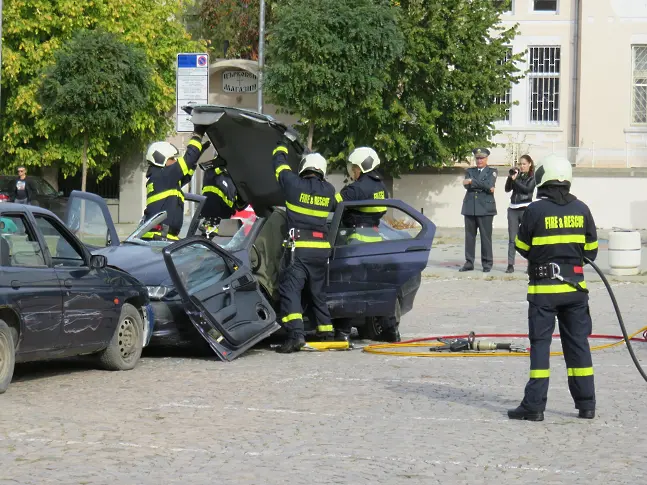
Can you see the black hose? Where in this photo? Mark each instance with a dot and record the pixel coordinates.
(619, 315)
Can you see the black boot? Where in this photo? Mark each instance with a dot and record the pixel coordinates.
(341, 336)
(391, 335)
(510, 269)
(525, 414)
(586, 413)
(294, 343)
(466, 267)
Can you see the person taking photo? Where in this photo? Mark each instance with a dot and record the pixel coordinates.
(521, 182)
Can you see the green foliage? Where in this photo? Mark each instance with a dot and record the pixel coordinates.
(439, 101)
(95, 86)
(328, 60)
(34, 30)
(235, 22)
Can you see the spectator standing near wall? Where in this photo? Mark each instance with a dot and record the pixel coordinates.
(521, 182)
(479, 209)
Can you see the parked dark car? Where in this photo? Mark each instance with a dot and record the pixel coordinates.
(44, 194)
(234, 306)
(58, 300)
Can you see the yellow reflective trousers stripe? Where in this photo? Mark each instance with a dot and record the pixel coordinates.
(520, 244)
(562, 239)
(371, 210)
(306, 211)
(292, 316)
(164, 195)
(219, 193)
(312, 244)
(552, 289)
(580, 371)
(539, 373)
(280, 168)
(325, 328)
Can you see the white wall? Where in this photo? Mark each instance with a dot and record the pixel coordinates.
(616, 198)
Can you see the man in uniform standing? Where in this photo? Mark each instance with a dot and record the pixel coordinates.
(556, 233)
(479, 209)
(309, 199)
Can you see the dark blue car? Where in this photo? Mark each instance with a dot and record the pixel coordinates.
(226, 288)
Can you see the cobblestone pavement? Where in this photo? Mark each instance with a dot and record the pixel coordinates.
(335, 417)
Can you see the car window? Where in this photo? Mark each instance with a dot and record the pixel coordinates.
(393, 225)
(199, 267)
(62, 248)
(86, 221)
(43, 187)
(18, 243)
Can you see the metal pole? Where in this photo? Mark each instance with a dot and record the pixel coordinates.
(261, 54)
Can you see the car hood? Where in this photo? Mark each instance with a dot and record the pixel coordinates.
(246, 140)
(146, 263)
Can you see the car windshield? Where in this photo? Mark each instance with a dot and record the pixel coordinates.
(145, 226)
(239, 241)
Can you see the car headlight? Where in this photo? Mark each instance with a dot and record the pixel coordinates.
(157, 292)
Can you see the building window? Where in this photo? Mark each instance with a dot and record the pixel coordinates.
(639, 95)
(506, 97)
(545, 5)
(544, 84)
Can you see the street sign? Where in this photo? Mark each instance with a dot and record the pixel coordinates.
(192, 86)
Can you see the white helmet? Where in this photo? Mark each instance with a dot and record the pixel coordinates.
(365, 158)
(313, 162)
(553, 168)
(159, 152)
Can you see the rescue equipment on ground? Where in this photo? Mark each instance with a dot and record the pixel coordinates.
(467, 346)
(324, 346)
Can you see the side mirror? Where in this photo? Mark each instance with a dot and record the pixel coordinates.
(229, 227)
(98, 261)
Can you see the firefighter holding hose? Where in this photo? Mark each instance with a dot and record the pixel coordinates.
(556, 233)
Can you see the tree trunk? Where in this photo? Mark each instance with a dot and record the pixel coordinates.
(84, 169)
(311, 132)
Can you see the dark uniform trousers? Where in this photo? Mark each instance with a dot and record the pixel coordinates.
(308, 202)
(562, 234)
(479, 209)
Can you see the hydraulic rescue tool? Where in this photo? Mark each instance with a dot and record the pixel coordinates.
(467, 346)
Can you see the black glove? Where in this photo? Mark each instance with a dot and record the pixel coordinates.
(205, 146)
(199, 129)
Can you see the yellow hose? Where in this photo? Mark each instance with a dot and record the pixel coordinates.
(379, 349)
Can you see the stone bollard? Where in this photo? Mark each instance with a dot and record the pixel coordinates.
(624, 252)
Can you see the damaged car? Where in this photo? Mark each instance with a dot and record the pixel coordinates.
(227, 288)
(59, 300)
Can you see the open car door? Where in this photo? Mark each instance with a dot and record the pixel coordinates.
(220, 296)
(87, 215)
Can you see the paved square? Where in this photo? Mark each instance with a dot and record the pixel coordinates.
(335, 417)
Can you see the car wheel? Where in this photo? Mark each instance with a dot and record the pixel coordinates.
(7, 355)
(373, 329)
(255, 258)
(126, 345)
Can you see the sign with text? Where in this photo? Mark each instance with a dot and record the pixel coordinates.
(239, 82)
(192, 86)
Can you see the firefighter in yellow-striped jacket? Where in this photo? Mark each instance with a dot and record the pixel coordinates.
(167, 174)
(557, 231)
(221, 193)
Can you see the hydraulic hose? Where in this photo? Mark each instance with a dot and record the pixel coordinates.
(619, 315)
(384, 349)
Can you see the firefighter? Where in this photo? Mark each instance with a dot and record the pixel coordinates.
(309, 199)
(167, 174)
(557, 231)
(219, 189)
(364, 222)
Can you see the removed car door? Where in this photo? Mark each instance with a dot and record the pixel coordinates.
(221, 297)
(89, 219)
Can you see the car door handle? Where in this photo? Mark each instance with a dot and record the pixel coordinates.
(226, 288)
(15, 284)
(68, 283)
(415, 248)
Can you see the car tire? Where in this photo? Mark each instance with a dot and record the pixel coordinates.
(126, 345)
(372, 328)
(7, 355)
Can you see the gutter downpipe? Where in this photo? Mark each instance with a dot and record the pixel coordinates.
(577, 48)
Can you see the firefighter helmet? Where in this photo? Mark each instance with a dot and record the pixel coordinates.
(313, 162)
(365, 158)
(553, 170)
(159, 152)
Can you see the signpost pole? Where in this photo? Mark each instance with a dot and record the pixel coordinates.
(261, 54)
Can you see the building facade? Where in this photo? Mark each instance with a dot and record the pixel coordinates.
(585, 91)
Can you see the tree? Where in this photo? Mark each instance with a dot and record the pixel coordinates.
(34, 30)
(233, 23)
(328, 60)
(96, 85)
(439, 101)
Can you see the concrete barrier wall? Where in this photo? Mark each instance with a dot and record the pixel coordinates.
(617, 197)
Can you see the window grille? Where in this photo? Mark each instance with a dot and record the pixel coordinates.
(544, 84)
(639, 94)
